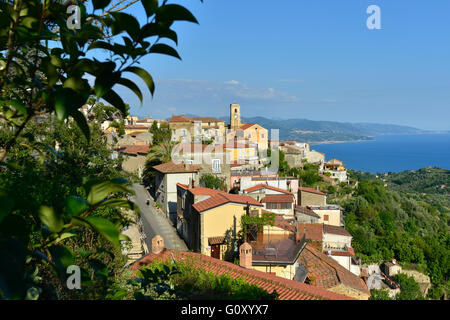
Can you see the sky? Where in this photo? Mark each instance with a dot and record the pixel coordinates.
(306, 59)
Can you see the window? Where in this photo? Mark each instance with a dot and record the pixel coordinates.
(216, 165)
(262, 135)
(249, 136)
(325, 217)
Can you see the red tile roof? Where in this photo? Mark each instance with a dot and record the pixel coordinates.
(287, 289)
(245, 126)
(282, 223)
(216, 240)
(131, 127)
(222, 198)
(202, 191)
(306, 211)
(278, 198)
(312, 231)
(347, 253)
(193, 119)
(335, 230)
(171, 167)
(142, 149)
(326, 272)
(265, 186)
(312, 190)
(183, 186)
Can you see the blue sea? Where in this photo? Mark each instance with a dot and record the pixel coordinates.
(393, 153)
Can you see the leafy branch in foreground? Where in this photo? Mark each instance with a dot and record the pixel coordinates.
(44, 72)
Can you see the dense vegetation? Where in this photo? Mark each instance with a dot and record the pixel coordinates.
(61, 195)
(182, 280)
(387, 224)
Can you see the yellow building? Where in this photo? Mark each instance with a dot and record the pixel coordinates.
(216, 217)
(241, 151)
(248, 131)
(136, 129)
(190, 129)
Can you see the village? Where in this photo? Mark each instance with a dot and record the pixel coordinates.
(256, 218)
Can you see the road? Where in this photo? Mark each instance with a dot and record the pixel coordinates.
(155, 222)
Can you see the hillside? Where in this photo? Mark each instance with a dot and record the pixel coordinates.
(399, 220)
(327, 131)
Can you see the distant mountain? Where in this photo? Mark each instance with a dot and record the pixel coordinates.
(326, 131)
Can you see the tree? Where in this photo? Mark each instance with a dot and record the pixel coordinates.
(44, 66)
(160, 134)
(381, 294)
(212, 182)
(409, 288)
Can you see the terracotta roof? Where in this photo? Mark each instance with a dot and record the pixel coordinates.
(328, 273)
(202, 191)
(265, 186)
(335, 230)
(142, 149)
(312, 231)
(130, 127)
(306, 211)
(346, 253)
(216, 240)
(312, 190)
(278, 198)
(193, 119)
(170, 167)
(287, 289)
(183, 186)
(222, 198)
(245, 126)
(282, 223)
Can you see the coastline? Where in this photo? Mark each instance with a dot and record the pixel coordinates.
(339, 141)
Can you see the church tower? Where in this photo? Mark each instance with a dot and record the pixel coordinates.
(235, 116)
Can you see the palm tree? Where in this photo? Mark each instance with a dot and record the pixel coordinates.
(162, 151)
(158, 153)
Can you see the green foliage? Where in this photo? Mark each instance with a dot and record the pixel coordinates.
(381, 294)
(266, 219)
(386, 224)
(409, 288)
(161, 135)
(213, 182)
(183, 280)
(61, 200)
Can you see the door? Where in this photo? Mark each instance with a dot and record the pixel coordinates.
(215, 251)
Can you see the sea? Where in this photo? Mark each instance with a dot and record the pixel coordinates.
(391, 153)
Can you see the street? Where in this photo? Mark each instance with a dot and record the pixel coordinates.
(154, 222)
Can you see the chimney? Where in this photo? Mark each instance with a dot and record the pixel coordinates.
(245, 255)
(157, 244)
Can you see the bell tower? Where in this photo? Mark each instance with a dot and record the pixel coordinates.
(235, 116)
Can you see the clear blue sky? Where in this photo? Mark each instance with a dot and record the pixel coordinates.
(307, 59)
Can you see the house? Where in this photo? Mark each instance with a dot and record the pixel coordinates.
(311, 197)
(331, 214)
(324, 271)
(241, 151)
(391, 268)
(280, 203)
(337, 243)
(167, 176)
(259, 191)
(135, 129)
(336, 169)
(215, 217)
(286, 289)
(196, 129)
(255, 178)
(135, 157)
(305, 214)
(209, 157)
(251, 131)
(187, 195)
